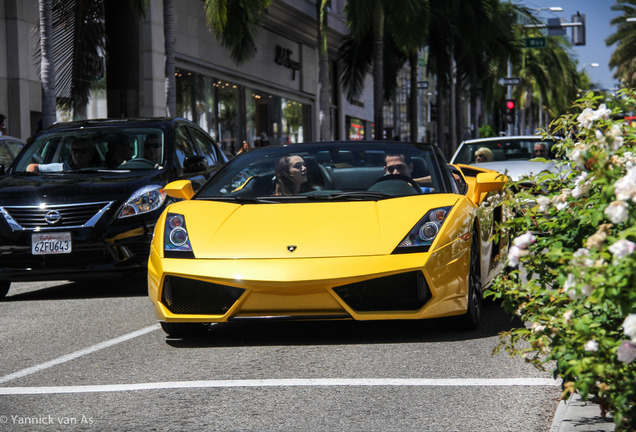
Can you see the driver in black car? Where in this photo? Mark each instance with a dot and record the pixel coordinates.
(152, 148)
(398, 163)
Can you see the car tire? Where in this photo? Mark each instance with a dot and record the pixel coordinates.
(470, 320)
(4, 288)
(183, 330)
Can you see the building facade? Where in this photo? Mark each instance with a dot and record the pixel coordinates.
(271, 99)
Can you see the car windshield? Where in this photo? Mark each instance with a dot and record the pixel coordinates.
(94, 149)
(503, 149)
(330, 171)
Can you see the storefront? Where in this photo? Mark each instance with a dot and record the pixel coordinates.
(234, 113)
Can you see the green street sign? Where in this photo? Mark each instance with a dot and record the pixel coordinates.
(535, 42)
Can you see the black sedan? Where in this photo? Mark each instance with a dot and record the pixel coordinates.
(81, 199)
(9, 149)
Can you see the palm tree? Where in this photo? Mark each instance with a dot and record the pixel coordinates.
(624, 56)
(169, 40)
(46, 63)
(323, 71)
(235, 23)
(382, 34)
(469, 45)
(72, 50)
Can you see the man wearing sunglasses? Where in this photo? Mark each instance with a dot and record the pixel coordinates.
(398, 163)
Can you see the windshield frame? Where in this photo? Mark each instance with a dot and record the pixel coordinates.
(334, 161)
(53, 147)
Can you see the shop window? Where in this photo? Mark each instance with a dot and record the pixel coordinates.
(257, 116)
(228, 116)
(355, 128)
(292, 126)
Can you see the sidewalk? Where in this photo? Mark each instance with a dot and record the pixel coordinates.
(574, 415)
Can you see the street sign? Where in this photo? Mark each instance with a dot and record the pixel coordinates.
(535, 42)
(422, 85)
(510, 81)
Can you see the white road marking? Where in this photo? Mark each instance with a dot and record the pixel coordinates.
(77, 354)
(326, 382)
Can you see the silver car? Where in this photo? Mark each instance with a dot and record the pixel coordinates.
(512, 155)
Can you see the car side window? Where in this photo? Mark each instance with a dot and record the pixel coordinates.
(206, 147)
(183, 145)
(5, 157)
(14, 147)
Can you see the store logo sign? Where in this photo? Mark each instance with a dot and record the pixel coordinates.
(283, 58)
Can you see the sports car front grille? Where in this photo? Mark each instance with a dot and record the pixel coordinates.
(54, 216)
(190, 296)
(403, 291)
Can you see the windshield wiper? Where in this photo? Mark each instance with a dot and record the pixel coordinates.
(351, 195)
(244, 200)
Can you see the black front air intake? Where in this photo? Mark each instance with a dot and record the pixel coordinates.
(191, 296)
(399, 292)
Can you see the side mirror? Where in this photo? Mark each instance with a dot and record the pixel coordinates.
(487, 182)
(179, 189)
(195, 164)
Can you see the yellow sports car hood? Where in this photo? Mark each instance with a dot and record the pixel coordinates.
(304, 230)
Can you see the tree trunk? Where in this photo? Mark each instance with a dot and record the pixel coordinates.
(413, 99)
(47, 67)
(169, 41)
(452, 127)
(378, 75)
(324, 99)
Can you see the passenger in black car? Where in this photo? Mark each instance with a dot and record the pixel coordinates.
(119, 151)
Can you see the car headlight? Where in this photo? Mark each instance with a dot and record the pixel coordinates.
(420, 238)
(176, 243)
(144, 200)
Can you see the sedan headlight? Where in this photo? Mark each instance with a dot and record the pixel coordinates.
(176, 243)
(144, 200)
(420, 238)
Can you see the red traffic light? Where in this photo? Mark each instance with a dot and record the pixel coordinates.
(510, 104)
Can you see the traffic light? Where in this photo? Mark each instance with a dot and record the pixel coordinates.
(510, 111)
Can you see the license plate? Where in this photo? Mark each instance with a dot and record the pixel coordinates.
(51, 243)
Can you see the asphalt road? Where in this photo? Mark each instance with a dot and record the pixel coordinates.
(90, 356)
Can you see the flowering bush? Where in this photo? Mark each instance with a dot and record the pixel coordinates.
(572, 266)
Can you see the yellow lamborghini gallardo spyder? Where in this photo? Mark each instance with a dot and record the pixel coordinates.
(331, 230)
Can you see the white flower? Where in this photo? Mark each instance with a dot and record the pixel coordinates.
(561, 201)
(598, 134)
(573, 292)
(582, 255)
(591, 345)
(537, 328)
(616, 134)
(617, 212)
(578, 154)
(544, 203)
(629, 327)
(524, 240)
(567, 316)
(626, 352)
(586, 118)
(569, 287)
(625, 187)
(514, 254)
(581, 186)
(602, 112)
(622, 248)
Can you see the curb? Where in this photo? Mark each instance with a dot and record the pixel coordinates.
(575, 415)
